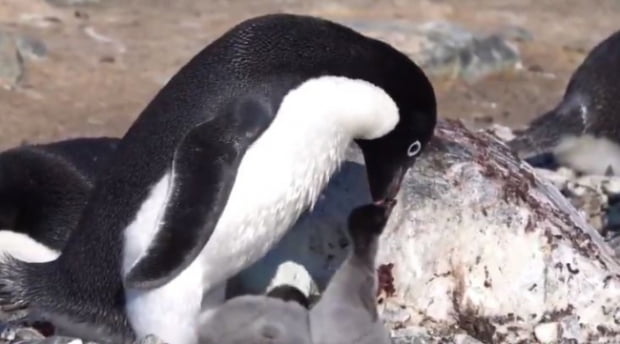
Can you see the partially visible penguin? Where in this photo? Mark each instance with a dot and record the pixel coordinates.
(280, 317)
(43, 189)
(583, 131)
(219, 166)
(347, 312)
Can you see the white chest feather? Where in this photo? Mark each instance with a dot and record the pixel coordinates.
(25, 248)
(588, 154)
(280, 176)
(275, 183)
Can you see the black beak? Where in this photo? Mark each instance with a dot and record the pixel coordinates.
(387, 205)
(384, 177)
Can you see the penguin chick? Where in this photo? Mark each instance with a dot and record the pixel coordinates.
(278, 318)
(346, 312)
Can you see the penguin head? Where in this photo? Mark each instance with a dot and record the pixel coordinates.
(388, 157)
(305, 47)
(366, 223)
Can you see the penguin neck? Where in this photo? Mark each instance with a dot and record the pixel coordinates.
(365, 255)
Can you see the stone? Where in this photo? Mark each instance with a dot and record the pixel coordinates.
(150, 339)
(17, 334)
(516, 33)
(465, 339)
(445, 49)
(547, 332)
(11, 62)
(611, 186)
(502, 132)
(557, 178)
(72, 2)
(61, 340)
(481, 57)
(420, 338)
(30, 47)
(478, 244)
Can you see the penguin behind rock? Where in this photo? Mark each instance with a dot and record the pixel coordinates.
(220, 164)
(347, 313)
(583, 131)
(43, 188)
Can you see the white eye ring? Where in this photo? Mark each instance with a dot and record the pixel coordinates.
(414, 149)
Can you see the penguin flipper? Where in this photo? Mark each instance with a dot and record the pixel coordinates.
(204, 170)
(44, 187)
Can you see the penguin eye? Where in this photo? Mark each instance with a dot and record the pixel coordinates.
(414, 149)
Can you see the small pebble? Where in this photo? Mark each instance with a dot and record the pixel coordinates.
(72, 2)
(559, 180)
(11, 63)
(150, 339)
(465, 339)
(31, 48)
(611, 186)
(501, 131)
(547, 332)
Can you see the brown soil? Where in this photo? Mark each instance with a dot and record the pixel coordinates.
(88, 87)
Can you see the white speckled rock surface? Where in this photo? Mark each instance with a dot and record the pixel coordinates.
(478, 244)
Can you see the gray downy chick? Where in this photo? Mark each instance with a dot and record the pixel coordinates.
(280, 317)
(346, 312)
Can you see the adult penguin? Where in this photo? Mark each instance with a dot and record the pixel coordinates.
(43, 189)
(218, 167)
(583, 130)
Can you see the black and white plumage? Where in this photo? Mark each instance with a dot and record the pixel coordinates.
(347, 312)
(583, 130)
(218, 167)
(43, 189)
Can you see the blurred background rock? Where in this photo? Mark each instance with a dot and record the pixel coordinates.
(87, 67)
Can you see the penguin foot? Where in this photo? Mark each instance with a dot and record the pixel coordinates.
(17, 333)
(12, 304)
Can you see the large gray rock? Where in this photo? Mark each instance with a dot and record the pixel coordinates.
(478, 245)
(446, 49)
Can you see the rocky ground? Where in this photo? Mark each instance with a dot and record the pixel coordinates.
(87, 67)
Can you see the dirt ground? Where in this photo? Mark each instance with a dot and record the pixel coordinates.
(106, 61)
